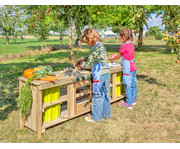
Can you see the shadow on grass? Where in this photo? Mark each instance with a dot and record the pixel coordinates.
(148, 79)
(111, 47)
(56, 46)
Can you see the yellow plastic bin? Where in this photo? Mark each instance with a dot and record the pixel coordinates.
(118, 87)
(52, 112)
(118, 77)
(118, 90)
(55, 108)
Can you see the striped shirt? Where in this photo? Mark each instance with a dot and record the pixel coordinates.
(97, 54)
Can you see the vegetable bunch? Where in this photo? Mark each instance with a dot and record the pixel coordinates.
(25, 99)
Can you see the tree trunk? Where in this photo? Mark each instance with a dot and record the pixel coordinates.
(7, 41)
(70, 38)
(140, 37)
(117, 38)
(7, 38)
(60, 38)
(78, 32)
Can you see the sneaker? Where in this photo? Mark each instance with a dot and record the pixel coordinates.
(125, 105)
(134, 103)
(89, 119)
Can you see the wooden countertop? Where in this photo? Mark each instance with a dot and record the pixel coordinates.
(68, 78)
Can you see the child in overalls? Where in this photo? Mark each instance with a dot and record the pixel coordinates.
(100, 105)
(129, 68)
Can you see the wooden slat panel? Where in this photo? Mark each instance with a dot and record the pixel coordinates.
(83, 107)
(30, 120)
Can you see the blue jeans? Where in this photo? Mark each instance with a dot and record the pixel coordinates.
(131, 88)
(100, 106)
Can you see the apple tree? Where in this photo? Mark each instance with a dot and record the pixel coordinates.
(171, 20)
(38, 21)
(141, 13)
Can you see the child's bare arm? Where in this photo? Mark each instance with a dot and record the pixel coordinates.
(115, 57)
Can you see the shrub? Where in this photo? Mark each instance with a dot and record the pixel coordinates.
(159, 36)
(147, 34)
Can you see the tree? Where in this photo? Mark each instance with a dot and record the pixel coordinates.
(171, 20)
(11, 21)
(154, 30)
(141, 13)
(58, 26)
(38, 21)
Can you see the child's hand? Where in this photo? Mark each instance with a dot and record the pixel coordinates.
(111, 59)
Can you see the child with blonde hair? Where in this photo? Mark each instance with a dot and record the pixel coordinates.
(97, 62)
(129, 68)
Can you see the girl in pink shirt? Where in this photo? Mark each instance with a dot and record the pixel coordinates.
(126, 52)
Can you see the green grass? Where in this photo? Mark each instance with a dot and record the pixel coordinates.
(155, 118)
(21, 46)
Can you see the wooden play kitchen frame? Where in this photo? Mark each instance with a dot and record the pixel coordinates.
(73, 81)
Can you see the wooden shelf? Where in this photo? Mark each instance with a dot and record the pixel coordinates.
(60, 100)
(83, 93)
(62, 118)
(118, 83)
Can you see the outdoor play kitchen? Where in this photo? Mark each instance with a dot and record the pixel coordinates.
(60, 96)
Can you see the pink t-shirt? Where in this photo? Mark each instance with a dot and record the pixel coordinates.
(127, 51)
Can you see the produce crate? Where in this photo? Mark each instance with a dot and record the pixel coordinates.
(65, 98)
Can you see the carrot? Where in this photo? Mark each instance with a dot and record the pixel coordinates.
(48, 78)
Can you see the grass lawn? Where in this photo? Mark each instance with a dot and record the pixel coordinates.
(21, 46)
(155, 118)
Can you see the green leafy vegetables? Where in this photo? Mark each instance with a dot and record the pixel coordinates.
(25, 99)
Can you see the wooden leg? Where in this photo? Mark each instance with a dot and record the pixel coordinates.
(39, 113)
(21, 121)
(71, 96)
(114, 86)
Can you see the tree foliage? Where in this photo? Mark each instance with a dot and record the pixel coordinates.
(11, 21)
(171, 20)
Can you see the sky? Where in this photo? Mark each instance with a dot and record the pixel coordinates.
(154, 22)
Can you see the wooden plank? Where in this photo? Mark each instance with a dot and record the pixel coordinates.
(114, 86)
(71, 95)
(21, 119)
(82, 107)
(60, 100)
(30, 120)
(114, 69)
(39, 113)
(61, 119)
(118, 83)
(118, 98)
(83, 83)
(55, 83)
(85, 92)
(123, 88)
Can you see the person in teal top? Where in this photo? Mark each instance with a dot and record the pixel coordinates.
(97, 62)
